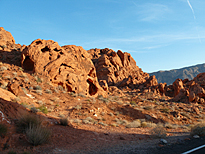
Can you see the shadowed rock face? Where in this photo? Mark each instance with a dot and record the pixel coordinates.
(69, 66)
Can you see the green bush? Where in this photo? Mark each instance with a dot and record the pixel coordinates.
(26, 121)
(37, 135)
(3, 130)
(198, 129)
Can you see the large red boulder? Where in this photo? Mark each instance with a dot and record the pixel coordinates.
(69, 66)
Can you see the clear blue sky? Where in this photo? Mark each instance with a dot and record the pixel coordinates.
(159, 34)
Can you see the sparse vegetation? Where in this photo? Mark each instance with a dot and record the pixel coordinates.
(37, 87)
(78, 107)
(158, 132)
(134, 124)
(26, 120)
(64, 121)
(147, 107)
(48, 91)
(43, 109)
(133, 103)
(38, 80)
(34, 109)
(37, 135)
(165, 110)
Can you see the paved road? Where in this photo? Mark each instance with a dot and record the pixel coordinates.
(182, 147)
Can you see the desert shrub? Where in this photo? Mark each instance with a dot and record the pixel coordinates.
(21, 69)
(78, 107)
(81, 95)
(34, 110)
(88, 120)
(133, 103)
(198, 129)
(37, 87)
(48, 91)
(78, 121)
(25, 121)
(103, 124)
(151, 124)
(64, 121)
(144, 124)
(147, 107)
(158, 132)
(3, 129)
(60, 88)
(38, 92)
(38, 79)
(165, 110)
(43, 109)
(170, 126)
(37, 135)
(134, 124)
(111, 114)
(105, 100)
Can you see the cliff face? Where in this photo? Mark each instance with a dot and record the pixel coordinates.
(184, 73)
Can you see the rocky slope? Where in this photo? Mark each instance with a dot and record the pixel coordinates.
(184, 73)
(105, 97)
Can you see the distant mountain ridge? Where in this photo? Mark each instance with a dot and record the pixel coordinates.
(183, 73)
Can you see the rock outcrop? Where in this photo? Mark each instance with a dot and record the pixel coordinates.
(119, 69)
(6, 39)
(69, 66)
(187, 91)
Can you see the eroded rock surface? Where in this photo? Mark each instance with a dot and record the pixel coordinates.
(69, 66)
(117, 68)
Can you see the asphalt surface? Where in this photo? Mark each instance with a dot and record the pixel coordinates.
(181, 147)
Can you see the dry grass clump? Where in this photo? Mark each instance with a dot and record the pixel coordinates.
(147, 124)
(37, 135)
(134, 124)
(3, 130)
(158, 132)
(26, 121)
(198, 129)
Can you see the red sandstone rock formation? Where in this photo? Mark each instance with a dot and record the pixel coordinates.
(188, 91)
(69, 66)
(6, 39)
(118, 69)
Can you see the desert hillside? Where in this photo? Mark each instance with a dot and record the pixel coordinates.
(183, 73)
(65, 99)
